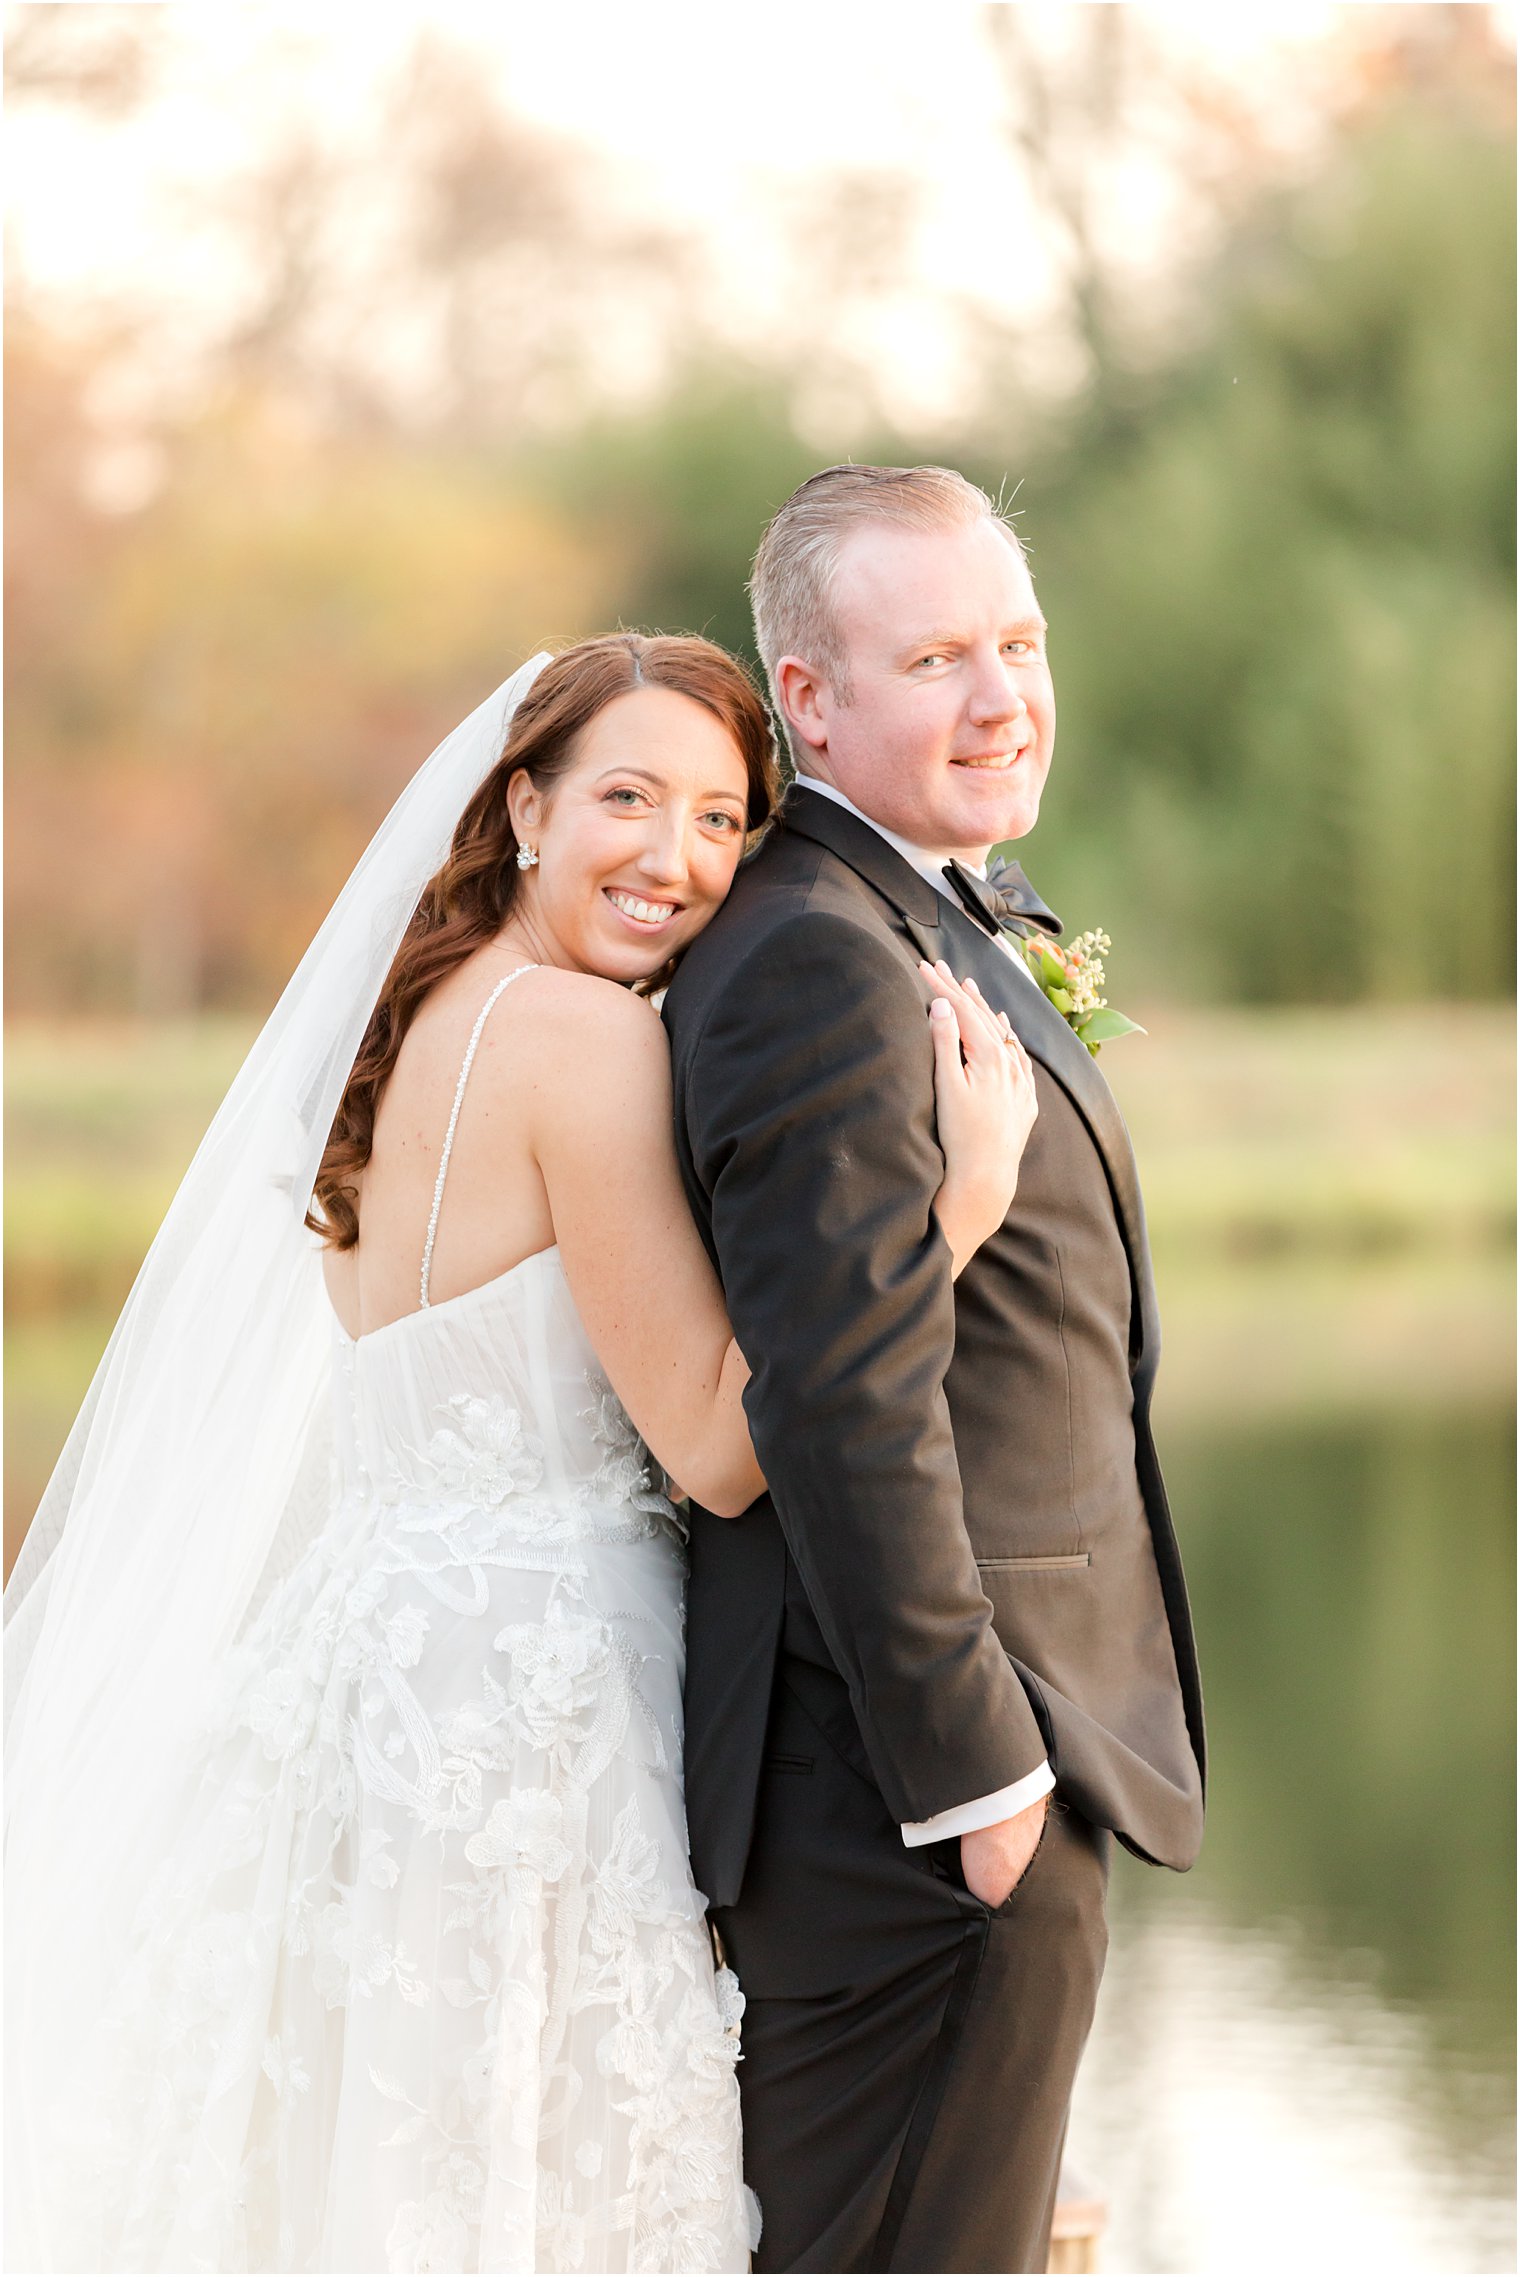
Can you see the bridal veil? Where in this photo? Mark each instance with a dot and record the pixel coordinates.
(192, 1476)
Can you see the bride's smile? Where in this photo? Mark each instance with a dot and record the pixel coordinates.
(647, 915)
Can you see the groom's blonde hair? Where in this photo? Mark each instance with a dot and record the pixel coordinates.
(791, 584)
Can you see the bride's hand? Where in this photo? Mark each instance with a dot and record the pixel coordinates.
(985, 1102)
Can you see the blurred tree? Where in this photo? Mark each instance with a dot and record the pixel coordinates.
(518, 246)
(218, 705)
(66, 864)
(1277, 555)
(439, 264)
(1065, 115)
(100, 58)
(1094, 100)
(1284, 607)
(448, 268)
(679, 494)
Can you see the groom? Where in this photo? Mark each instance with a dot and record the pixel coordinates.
(949, 1651)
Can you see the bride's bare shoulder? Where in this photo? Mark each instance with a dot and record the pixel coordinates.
(583, 1035)
(588, 1004)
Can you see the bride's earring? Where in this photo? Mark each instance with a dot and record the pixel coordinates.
(527, 857)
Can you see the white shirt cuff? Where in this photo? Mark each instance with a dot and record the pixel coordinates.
(987, 1810)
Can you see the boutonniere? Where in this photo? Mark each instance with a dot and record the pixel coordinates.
(1072, 979)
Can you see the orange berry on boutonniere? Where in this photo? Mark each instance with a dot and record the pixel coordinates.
(1072, 979)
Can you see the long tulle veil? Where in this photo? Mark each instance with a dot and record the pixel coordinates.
(194, 1470)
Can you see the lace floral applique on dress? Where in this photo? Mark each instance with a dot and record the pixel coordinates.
(482, 1456)
(627, 1472)
(427, 1985)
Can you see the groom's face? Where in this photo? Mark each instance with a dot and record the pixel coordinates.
(947, 733)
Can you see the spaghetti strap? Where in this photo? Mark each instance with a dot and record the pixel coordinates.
(448, 1136)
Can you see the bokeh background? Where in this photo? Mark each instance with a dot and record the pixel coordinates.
(352, 354)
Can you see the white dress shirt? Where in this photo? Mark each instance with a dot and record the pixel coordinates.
(984, 1810)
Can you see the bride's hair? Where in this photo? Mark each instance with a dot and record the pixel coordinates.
(471, 897)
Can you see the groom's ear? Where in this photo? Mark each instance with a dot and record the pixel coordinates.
(802, 692)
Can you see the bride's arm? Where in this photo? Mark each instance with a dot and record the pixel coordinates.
(601, 1127)
(643, 1284)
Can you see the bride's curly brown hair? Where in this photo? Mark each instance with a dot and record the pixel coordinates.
(469, 900)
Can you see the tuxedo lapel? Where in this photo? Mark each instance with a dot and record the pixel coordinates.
(866, 852)
(939, 928)
(1047, 1038)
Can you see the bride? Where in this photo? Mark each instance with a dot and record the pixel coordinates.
(350, 1923)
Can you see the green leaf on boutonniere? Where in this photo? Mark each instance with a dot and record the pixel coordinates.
(1070, 979)
(1104, 1026)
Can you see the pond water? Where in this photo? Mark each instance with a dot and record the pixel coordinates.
(1304, 2051)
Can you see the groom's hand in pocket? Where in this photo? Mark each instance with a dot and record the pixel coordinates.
(995, 1858)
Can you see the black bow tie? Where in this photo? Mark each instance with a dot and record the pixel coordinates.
(1004, 898)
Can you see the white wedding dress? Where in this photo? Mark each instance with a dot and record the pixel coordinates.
(426, 1984)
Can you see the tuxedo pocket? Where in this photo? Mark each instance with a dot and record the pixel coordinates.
(1063, 1564)
(943, 1861)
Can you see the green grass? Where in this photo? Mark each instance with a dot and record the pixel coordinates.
(100, 1125)
(1323, 1133)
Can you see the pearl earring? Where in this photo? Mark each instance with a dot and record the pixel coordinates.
(527, 857)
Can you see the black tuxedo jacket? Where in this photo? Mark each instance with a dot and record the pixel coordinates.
(965, 1558)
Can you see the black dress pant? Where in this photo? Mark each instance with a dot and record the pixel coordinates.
(909, 2052)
